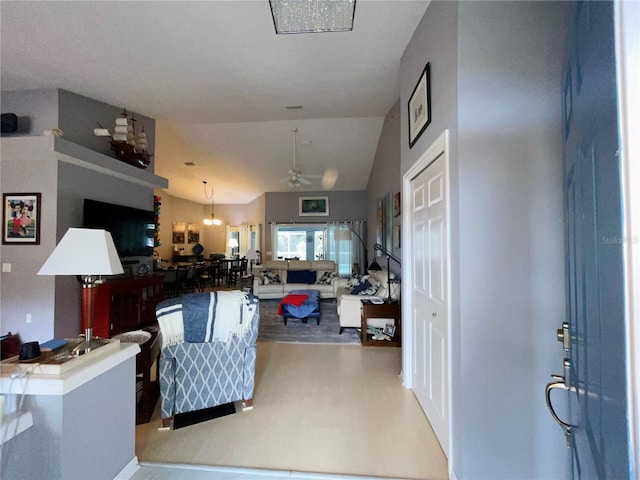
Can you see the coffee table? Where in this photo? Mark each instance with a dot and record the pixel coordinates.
(309, 309)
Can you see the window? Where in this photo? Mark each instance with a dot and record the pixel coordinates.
(317, 242)
(302, 242)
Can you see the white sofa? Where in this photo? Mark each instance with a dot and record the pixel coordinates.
(349, 306)
(265, 290)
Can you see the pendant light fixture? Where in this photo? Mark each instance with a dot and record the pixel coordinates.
(213, 221)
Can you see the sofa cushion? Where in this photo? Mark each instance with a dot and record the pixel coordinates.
(300, 265)
(275, 265)
(301, 276)
(271, 277)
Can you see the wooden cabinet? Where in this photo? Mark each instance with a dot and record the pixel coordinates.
(126, 304)
(382, 310)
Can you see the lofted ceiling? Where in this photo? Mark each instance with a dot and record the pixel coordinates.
(217, 78)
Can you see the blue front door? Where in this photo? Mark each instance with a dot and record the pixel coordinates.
(595, 297)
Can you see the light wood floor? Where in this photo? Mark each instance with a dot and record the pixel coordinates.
(337, 409)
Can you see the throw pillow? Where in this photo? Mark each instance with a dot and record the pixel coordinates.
(326, 279)
(301, 276)
(364, 288)
(270, 276)
(355, 281)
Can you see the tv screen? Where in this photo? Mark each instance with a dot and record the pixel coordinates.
(132, 229)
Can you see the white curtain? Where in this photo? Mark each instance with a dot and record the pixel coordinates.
(245, 239)
(346, 253)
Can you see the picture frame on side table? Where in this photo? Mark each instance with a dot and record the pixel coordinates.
(21, 217)
(314, 206)
(389, 330)
(419, 106)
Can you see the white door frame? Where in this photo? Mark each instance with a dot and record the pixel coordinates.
(440, 147)
(627, 16)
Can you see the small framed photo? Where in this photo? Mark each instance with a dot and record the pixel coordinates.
(419, 106)
(314, 206)
(21, 214)
(389, 330)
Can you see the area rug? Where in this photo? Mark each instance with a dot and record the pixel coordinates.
(273, 329)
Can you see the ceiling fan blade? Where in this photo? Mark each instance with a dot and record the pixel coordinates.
(329, 178)
(304, 181)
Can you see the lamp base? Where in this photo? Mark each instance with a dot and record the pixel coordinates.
(88, 344)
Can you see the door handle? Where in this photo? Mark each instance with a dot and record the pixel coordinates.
(563, 383)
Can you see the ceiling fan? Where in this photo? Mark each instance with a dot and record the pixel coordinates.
(295, 178)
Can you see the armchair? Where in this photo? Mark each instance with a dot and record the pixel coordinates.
(208, 351)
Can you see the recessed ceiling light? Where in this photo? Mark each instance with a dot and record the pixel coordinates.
(190, 164)
(293, 107)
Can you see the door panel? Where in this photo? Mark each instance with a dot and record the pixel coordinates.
(429, 296)
(595, 301)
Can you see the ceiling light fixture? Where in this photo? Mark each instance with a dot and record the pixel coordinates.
(312, 16)
(213, 220)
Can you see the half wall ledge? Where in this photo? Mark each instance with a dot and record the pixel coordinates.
(92, 160)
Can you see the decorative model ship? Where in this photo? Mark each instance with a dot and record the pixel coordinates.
(127, 145)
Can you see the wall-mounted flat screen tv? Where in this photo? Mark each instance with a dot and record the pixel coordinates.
(132, 229)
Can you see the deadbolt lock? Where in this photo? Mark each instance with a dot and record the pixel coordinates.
(563, 336)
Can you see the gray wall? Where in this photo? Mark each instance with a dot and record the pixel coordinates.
(80, 115)
(30, 164)
(37, 110)
(74, 185)
(284, 207)
(385, 178)
(495, 70)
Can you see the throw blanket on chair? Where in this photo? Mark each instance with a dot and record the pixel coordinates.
(205, 317)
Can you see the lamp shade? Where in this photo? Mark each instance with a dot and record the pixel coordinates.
(342, 234)
(252, 254)
(83, 251)
(233, 243)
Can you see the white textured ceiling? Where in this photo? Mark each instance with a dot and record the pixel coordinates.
(216, 78)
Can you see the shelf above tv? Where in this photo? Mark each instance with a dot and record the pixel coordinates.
(78, 155)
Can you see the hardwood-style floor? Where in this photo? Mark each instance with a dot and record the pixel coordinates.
(333, 409)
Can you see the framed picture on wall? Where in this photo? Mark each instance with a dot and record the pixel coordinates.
(396, 204)
(396, 236)
(419, 106)
(193, 233)
(21, 214)
(178, 232)
(314, 206)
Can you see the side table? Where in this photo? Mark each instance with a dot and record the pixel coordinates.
(382, 310)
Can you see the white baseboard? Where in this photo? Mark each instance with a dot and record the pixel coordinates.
(129, 470)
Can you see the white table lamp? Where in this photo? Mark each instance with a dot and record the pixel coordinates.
(88, 253)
